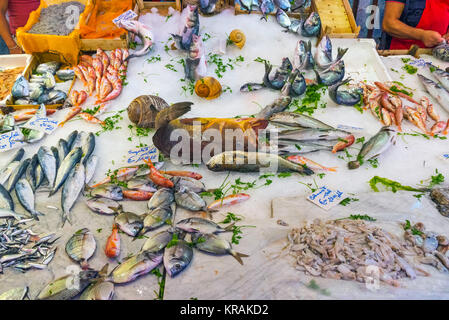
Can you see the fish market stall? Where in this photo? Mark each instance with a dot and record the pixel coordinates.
(103, 215)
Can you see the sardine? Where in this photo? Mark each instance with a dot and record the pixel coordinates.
(213, 244)
(81, 247)
(71, 190)
(177, 258)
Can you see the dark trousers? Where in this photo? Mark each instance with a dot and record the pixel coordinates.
(3, 47)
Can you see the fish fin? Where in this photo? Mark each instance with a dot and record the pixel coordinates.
(230, 227)
(238, 256)
(170, 113)
(353, 164)
(103, 271)
(341, 53)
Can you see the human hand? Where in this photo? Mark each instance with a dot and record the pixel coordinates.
(15, 50)
(446, 37)
(431, 38)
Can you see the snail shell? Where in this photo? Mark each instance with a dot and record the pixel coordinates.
(238, 38)
(208, 87)
(143, 110)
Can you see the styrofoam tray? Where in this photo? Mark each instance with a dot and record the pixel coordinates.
(14, 61)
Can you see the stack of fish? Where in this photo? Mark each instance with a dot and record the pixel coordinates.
(309, 27)
(24, 249)
(269, 6)
(441, 51)
(69, 165)
(387, 102)
(42, 87)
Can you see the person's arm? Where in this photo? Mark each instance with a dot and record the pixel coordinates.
(396, 28)
(5, 33)
(446, 36)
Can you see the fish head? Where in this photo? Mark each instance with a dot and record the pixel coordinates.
(286, 64)
(86, 275)
(174, 266)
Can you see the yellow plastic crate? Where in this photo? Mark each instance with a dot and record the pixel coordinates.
(67, 46)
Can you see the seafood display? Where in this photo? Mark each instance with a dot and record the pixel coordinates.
(7, 79)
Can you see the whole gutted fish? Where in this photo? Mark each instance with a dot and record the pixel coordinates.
(71, 190)
(200, 225)
(157, 242)
(100, 290)
(436, 91)
(278, 105)
(253, 161)
(130, 223)
(213, 244)
(185, 198)
(81, 247)
(111, 192)
(6, 201)
(164, 197)
(14, 294)
(135, 266)
(441, 75)
(331, 75)
(376, 145)
(177, 257)
(346, 97)
(25, 195)
(16, 174)
(104, 206)
(47, 162)
(69, 162)
(156, 218)
(312, 26)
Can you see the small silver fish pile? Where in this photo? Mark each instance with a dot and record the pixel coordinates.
(23, 249)
(54, 19)
(41, 87)
(387, 103)
(345, 249)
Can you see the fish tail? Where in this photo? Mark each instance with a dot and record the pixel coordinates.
(238, 256)
(230, 227)
(104, 271)
(353, 164)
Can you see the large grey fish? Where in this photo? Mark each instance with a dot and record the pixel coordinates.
(15, 294)
(441, 75)
(71, 139)
(141, 184)
(130, 223)
(190, 183)
(81, 247)
(253, 161)
(177, 257)
(7, 171)
(376, 145)
(331, 75)
(88, 147)
(21, 88)
(30, 173)
(200, 225)
(90, 166)
(18, 172)
(186, 198)
(17, 155)
(323, 55)
(65, 168)
(212, 243)
(436, 91)
(55, 152)
(347, 97)
(266, 6)
(47, 162)
(279, 105)
(107, 191)
(282, 18)
(156, 218)
(67, 287)
(299, 57)
(25, 195)
(99, 290)
(71, 190)
(312, 26)
(6, 213)
(157, 242)
(161, 198)
(104, 206)
(441, 52)
(309, 134)
(283, 4)
(6, 201)
(135, 266)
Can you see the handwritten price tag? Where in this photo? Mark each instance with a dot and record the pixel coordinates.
(138, 155)
(128, 15)
(9, 141)
(326, 198)
(44, 124)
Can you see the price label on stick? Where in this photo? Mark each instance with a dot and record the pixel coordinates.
(136, 156)
(326, 198)
(128, 15)
(11, 140)
(44, 124)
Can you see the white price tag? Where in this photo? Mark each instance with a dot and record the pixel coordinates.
(9, 141)
(326, 198)
(128, 15)
(44, 124)
(136, 156)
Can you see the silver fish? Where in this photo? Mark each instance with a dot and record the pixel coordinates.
(436, 91)
(141, 185)
(71, 190)
(100, 290)
(36, 90)
(55, 152)
(185, 198)
(141, 31)
(266, 6)
(17, 174)
(7, 171)
(30, 173)
(88, 147)
(282, 18)
(177, 257)
(6, 201)
(441, 75)
(104, 206)
(376, 145)
(332, 75)
(347, 97)
(251, 86)
(212, 243)
(17, 155)
(161, 198)
(253, 161)
(323, 56)
(67, 287)
(302, 148)
(15, 294)
(156, 218)
(91, 165)
(278, 105)
(283, 4)
(190, 183)
(25, 195)
(47, 162)
(135, 266)
(107, 191)
(65, 168)
(20, 88)
(8, 123)
(310, 134)
(81, 246)
(300, 54)
(130, 223)
(51, 66)
(200, 225)
(66, 74)
(312, 26)
(157, 242)
(71, 139)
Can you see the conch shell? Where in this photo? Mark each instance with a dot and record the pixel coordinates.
(208, 87)
(238, 38)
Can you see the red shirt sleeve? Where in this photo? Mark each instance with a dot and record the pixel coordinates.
(19, 11)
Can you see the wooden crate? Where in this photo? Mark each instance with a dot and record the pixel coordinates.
(238, 10)
(162, 7)
(337, 17)
(414, 51)
(108, 44)
(37, 59)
